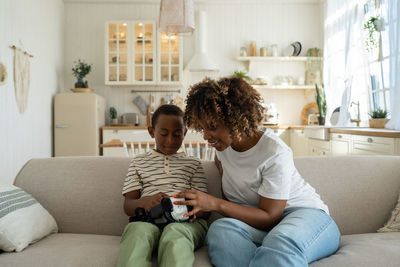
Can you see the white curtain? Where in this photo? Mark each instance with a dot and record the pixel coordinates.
(394, 61)
(345, 60)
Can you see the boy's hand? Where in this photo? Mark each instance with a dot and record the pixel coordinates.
(150, 201)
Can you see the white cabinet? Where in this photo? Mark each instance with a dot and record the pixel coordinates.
(318, 147)
(137, 54)
(340, 144)
(372, 145)
(283, 134)
(283, 72)
(298, 143)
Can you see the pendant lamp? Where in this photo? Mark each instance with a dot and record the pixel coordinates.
(176, 16)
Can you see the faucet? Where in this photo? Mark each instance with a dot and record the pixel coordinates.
(357, 121)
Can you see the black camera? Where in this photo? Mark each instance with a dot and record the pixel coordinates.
(163, 213)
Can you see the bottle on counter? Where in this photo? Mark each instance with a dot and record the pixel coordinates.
(253, 49)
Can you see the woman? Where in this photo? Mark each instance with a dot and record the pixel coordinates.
(272, 216)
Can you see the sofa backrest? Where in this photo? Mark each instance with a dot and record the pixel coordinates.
(360, 191)
(84, 193)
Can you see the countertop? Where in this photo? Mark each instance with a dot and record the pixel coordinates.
(331, 129)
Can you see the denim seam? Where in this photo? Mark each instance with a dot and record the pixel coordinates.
(317, 235)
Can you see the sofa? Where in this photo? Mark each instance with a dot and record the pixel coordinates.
(84, 196)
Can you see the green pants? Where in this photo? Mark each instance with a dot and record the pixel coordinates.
(175, 244)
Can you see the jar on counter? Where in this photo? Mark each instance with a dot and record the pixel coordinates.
(253, 49)
(243, 51)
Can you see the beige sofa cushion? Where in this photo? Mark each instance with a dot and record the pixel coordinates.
(374, 250)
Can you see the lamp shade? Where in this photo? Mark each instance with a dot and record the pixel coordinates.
(176, 16)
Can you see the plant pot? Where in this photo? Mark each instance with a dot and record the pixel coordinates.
(321, 120)
(81, 84)
(114, 121)
(377, 123)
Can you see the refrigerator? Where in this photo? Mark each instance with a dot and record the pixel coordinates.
(78, 118)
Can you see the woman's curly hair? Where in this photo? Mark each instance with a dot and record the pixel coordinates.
(231, 101)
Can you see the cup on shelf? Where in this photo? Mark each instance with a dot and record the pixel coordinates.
(274, 50)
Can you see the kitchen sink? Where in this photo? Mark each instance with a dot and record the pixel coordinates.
(317, 132)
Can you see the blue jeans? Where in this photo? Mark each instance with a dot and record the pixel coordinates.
(303, 235)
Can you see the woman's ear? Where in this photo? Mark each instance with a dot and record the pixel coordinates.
(151, 131)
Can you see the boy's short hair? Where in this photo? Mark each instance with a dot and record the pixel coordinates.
(166, 109)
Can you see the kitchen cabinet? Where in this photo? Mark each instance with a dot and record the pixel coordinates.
(340, 144)
(298, 143)
(285, 71)
(372, 145)
(283, 134)
(319, 147)
(137, 54)
(138, 134)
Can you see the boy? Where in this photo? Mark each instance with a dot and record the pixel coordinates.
(155, 175)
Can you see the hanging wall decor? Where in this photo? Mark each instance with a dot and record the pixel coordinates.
(3, 74)
(21, 77)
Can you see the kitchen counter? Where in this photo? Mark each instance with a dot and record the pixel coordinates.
(331, 129)
(124, 127)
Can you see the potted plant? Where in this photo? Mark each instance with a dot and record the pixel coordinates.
(80, 71)
(113, 116)
(321, 101)
(372, 26)
(378, 118)
(242, 74)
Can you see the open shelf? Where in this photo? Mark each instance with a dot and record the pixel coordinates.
(261, 59)
(284, 87)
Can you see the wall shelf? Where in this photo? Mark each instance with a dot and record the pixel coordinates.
(264, 59)
(284, 87)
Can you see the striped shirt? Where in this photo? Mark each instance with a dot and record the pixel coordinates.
(154, 172)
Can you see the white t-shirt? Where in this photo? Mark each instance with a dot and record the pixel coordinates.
(266, 170)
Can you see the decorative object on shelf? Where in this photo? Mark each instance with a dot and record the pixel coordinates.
(80, 71)
(253, 49)
(313, 52)
(3, 74)
(378, 118)
(243, 51)
(21, 77)
(321, 101)
(297, 48)
(113, 116)
(176, 16)
(310, 108)
(242, 74)
(263, 52)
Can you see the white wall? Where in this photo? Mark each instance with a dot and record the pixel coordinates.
(230, 25)
(39, 26)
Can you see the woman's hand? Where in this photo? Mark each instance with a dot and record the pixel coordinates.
(150, 201)
(200, 201)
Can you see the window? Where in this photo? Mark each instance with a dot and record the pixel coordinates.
(378, 54)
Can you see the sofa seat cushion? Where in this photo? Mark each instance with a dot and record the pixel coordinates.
(374, 249)
(60, 249)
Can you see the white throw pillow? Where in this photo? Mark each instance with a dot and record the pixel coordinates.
(393, 225)
(22, 219)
